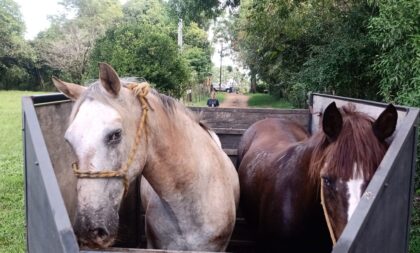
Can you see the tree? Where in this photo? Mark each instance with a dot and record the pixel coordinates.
(396, 31)
(68, 42)
(143, 44)
(341, 63)
(199, 12)
(221, 25)
(148, 12)
(16, 56)
(297, 46)
(197, 52)
(267, 36)
(143, 51)
(11, 27)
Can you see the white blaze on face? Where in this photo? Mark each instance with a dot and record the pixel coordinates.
(87, 131)
(354, 186)
(86, 134)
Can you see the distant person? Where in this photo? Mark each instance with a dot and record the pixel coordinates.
(213, 101)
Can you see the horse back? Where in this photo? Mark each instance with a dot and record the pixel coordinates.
(272, 173)
(261, 154)
(270, 134)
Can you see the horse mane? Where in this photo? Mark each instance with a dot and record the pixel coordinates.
(95, 92)
(356, 144)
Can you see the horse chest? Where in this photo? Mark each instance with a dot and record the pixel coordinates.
(167, 230)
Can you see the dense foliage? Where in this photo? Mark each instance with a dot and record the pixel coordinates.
(143, 51)
(143, 44)
(137, 38)
(353, 48)
(200, 11)
(16, 56)
(396, 31)
(359, 48)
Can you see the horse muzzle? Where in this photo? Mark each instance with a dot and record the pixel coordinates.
(96, 233)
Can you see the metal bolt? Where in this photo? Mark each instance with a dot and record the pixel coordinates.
(368, 195)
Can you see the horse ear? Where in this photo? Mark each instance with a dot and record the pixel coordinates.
(332, 122)
(109, 79)
(70, 90)
(386, 123)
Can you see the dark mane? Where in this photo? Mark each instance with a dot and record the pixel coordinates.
(356, 144)
(171, 106)
(168, 102)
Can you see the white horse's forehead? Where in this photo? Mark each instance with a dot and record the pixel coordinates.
(91, 119)
(354, 187)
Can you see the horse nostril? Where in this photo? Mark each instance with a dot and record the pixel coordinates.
(100, 232)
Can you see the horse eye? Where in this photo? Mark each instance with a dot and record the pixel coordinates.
(114, 137)
(328, 182)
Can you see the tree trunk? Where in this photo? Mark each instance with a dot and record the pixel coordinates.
(253, 88)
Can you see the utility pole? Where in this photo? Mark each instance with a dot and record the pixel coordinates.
(180, 33)
(180, 25)
(221, 60)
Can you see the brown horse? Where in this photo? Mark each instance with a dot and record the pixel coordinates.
(283, 172)
(119, 131)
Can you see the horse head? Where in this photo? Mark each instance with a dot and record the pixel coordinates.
(102, 133)
(352, 147)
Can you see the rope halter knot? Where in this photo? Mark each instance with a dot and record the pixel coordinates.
(140, 90)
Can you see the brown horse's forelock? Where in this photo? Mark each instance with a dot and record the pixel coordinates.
(356, 144)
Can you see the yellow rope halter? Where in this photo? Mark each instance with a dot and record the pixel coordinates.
(327, 217)
(140, 90)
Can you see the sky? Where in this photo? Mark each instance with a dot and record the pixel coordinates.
(35, 13)
(215, 58)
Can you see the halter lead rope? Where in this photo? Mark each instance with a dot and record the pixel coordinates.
(327, 217)
(140, 91)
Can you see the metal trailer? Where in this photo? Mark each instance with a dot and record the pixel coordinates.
(380, 223)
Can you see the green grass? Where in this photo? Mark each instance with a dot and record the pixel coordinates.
(203, 103)
(415, 226)
(267, 101)
(12, 221)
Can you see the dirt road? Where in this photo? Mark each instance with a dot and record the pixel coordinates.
(234, 100)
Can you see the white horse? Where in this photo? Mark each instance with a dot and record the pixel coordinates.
(118, 131)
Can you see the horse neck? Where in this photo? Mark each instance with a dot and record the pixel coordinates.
(169, 166)
(305, 166)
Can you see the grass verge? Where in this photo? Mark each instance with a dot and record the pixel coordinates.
(12, 228)
(267, 101)
(414, 243)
